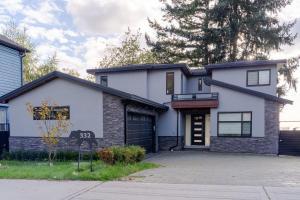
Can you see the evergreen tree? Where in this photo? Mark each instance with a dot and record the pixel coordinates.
(251, 29)
(188, 36)
(201, 32)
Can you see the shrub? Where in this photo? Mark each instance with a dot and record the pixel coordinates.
(106, 155)
(43, 156)
(117, 154)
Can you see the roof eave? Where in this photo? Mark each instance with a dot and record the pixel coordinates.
(210, 81)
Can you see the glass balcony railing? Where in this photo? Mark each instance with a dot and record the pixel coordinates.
(195, 97)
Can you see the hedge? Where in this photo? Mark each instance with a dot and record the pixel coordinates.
(43, 156)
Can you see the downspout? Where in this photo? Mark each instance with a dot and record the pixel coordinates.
(22, 56)
(125, 123)
(177, 134)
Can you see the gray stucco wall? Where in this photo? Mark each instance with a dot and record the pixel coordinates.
(232, 101)
(131, 82)
(238, 76)
(192, 85)
(261, 145)
(10, 70)
(86, 109)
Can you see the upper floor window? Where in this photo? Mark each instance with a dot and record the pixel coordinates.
(103, 80)
(200, 84)
(258, 77)
(62, 112)
(170, 82)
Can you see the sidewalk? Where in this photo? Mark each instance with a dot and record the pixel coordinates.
(86, 190)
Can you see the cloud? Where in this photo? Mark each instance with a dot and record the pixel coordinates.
(290, 12)
(11, 6)
(53, 34)
(45, 13)
(94, 48)
(111, 16)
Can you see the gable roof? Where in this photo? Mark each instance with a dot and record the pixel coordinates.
(11, 44)
(210, 81)
(240, 64)
(55, 75)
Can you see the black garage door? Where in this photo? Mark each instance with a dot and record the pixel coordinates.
(140, 131)
(289, 143)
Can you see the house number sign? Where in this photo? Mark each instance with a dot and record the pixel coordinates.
(80, 137)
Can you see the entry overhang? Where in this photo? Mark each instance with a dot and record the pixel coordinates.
(195, 104)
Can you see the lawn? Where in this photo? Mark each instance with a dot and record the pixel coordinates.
(68, 170)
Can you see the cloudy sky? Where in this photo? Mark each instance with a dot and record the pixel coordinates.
(79, 30)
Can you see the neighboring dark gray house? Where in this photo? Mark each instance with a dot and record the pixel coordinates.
(11, 55)
(230, 107)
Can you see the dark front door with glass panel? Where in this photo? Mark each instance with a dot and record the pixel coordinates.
(198, 130)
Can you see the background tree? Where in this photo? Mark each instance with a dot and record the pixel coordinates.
(51, 130)
(18, 35)
(33, 68)
(71, 72)
(129, 52)
(201, 32)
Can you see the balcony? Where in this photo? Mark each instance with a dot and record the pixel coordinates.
(196, 100)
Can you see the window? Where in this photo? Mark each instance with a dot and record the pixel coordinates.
(200, 84)
(170, 83)
(103, 80)
(258, 77)
(235, 124)
(54, 111)
(3, 119)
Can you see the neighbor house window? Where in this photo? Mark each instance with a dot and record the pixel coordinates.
(200, 84)
(170, 82)
(258, 77)
(103, 80)
(3, 119)
(54, 111)
(235, 124)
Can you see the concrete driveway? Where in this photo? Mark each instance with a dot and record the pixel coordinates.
(195, 167)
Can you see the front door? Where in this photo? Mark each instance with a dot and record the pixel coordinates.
(198, 129)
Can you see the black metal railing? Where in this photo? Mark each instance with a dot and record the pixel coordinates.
(195, 96)
(4, 127)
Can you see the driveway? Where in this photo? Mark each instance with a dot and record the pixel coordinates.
(195, 167)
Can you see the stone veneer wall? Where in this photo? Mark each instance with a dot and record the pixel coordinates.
(263, 145)
(165, 142)
(113, 130)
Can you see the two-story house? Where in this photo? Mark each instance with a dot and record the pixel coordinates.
(230, 107)
(11, 55)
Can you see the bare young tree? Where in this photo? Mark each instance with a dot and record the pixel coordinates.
(52, 123)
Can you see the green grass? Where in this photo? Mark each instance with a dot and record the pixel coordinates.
(68, 170)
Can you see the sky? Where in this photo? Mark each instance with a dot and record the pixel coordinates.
(78, 31)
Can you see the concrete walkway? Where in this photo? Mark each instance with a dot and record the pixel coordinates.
(84, 190)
